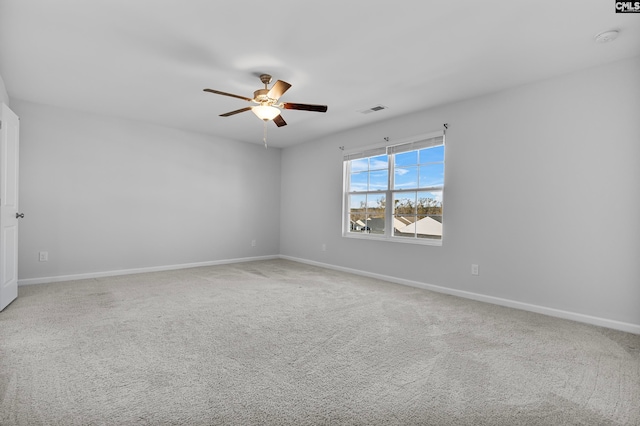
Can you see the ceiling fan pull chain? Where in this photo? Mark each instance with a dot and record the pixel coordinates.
(264, 138)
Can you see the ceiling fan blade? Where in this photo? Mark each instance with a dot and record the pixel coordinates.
(238, 111)
(217, 92)
(279, 121)
(305, 107)
(278, 89)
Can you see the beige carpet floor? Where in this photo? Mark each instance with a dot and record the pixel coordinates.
(282, 343)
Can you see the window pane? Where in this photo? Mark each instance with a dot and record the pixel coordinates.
(378, 180)
(366, 213)
(375, 211)
(358, 221)
(357, 211)
(358, 201)
(375, 222)
(407, 158)
(403, 226)
(375, 203)
(405, 177)
(428, 227)
(429, 203)
(359, 182)
(380, 162)
(359, 165)
(432, 175)
(404, 204)
(431, 155)
(418, 214)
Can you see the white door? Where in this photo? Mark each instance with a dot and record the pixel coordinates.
(9, 137)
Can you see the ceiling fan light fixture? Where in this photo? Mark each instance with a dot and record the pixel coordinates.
(265, 112)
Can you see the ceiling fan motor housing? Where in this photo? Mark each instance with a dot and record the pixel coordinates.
(260, 95)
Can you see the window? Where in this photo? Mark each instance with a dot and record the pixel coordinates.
(395, 192)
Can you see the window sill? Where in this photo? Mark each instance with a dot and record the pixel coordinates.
(401, 240)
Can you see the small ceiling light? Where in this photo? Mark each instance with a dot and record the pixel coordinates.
(266, 113)
(606, 36)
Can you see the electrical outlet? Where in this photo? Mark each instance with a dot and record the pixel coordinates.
(475, 269)
(44, 256)
(253, 243)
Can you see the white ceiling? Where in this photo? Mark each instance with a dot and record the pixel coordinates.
(149, 60)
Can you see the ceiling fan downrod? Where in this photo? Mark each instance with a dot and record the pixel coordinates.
(265, 79)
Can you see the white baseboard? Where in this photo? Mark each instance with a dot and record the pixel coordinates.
(587, 319)
(90, 275)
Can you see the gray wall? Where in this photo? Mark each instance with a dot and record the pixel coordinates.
(104, 194)
(542, 191)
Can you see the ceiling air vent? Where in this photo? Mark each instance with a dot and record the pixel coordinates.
(373, 109)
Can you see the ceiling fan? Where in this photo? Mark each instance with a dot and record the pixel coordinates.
(268, 108)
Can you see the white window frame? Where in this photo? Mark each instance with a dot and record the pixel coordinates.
(390, 149)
